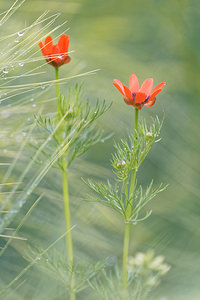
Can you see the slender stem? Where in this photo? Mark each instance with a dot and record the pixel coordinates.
(132, 185)
(136, 120)
(127, 225)
(125, 258)
(57, 89)
(69, 243)
(67, 212)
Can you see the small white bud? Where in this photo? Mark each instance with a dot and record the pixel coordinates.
(121, 163)
(149, 134)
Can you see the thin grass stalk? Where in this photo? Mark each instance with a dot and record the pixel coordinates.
(127, 225)
(69, 243)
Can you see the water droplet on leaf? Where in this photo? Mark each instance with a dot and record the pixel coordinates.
(21, 33)
(6, 70)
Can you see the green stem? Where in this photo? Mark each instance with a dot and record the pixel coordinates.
(127, 225)
(125, 258)
(136, 121)
(57, 89)
(132, 185)
(68, 226)
(69, 243)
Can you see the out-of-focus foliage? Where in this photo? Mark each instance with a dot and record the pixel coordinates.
(158, 39)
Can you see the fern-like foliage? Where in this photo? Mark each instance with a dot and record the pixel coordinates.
(131, 152)
(115, 198)
(55, 264)
(128, 157)
(71, 129)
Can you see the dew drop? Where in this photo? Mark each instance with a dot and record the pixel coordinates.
(21, 64)
(42, 87)
(33, 105)
(32, 99)
(6, 70)
(5, 150)
(102, 141)
(17, 40)
(21, 33)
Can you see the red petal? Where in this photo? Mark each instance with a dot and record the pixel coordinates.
(117, 83)
(133, 84)
(128, 93)
(55, 56)
(67, 60)
(159, 86)
(150, 103)
(154, 94)
(42, 48)
(147, 86)
(48, 45)
(128, 101)
(63, 43)
(140, 97)
(55, 50)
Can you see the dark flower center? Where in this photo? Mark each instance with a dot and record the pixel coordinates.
(146, 99)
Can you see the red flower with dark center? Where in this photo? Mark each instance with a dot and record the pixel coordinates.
(139, 96)
(56, 55)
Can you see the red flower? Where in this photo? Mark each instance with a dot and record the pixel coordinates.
(139, 96)
(56, 55)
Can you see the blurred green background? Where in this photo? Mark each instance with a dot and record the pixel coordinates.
(150, 38)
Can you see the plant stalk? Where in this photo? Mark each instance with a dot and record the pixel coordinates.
(127, 225)
(57, 90)
(125, 258)
(69, 243)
